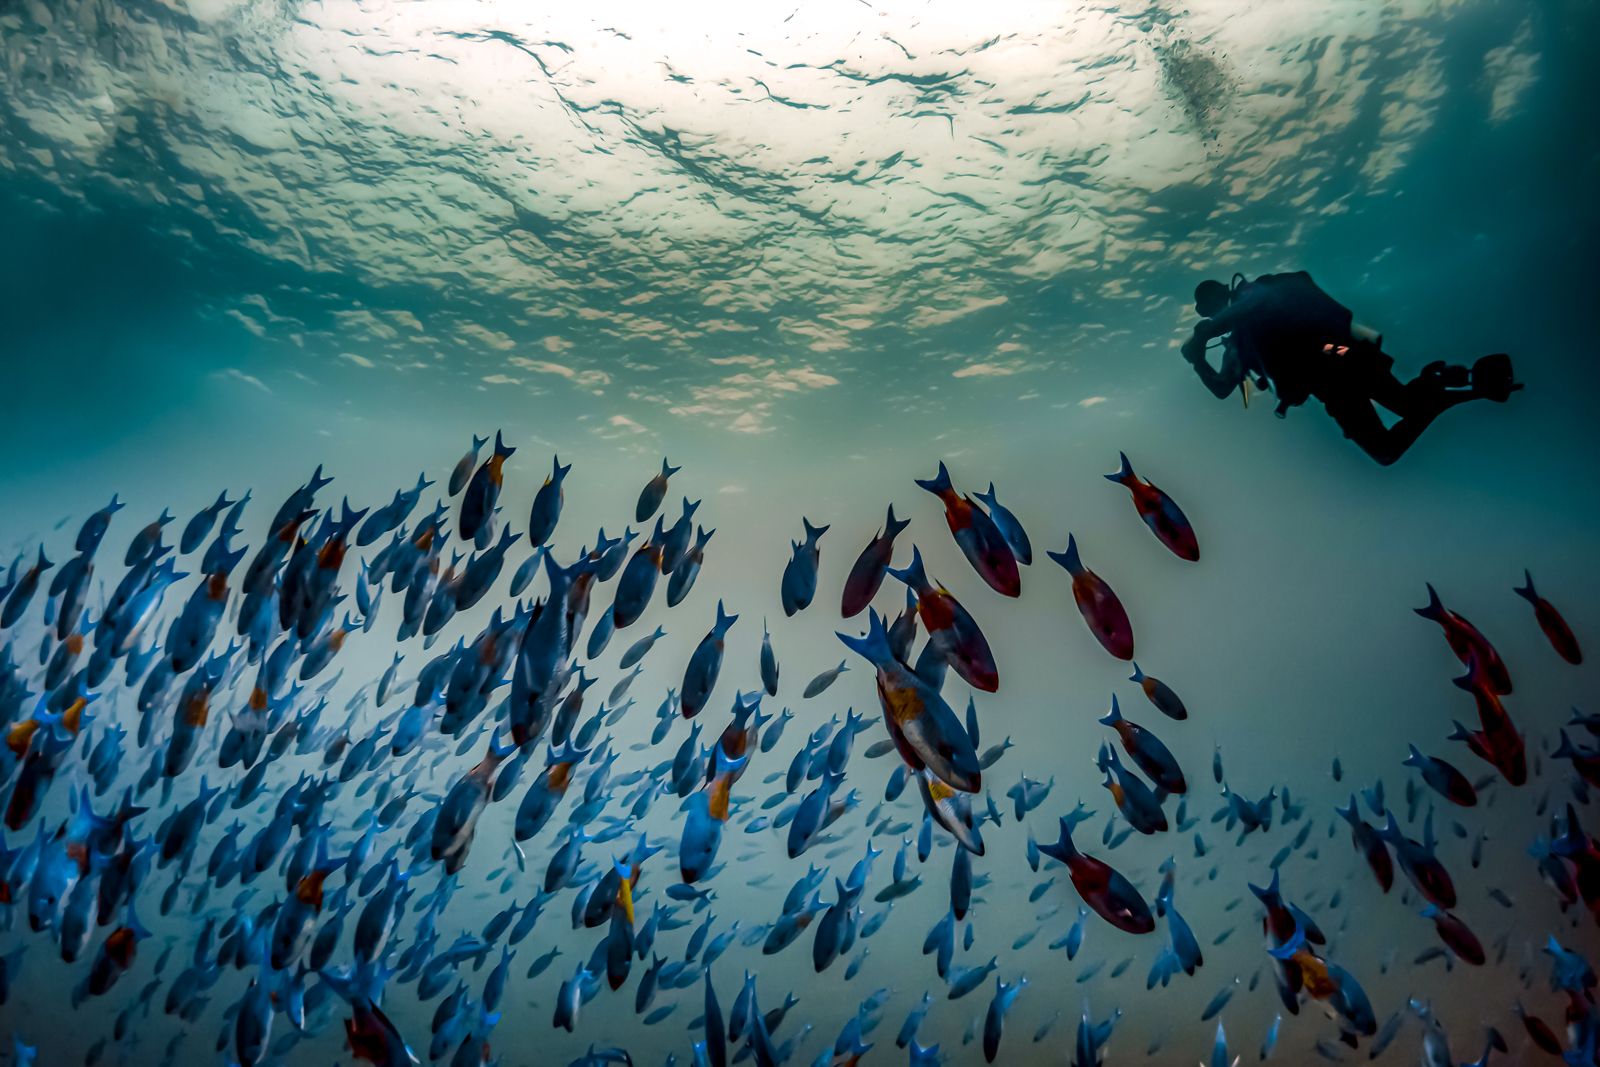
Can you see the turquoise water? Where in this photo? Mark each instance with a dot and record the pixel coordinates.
(808, 253)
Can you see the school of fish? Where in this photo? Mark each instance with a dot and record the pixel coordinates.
(170, 750)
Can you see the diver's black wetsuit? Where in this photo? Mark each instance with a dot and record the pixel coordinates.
(1285, 330)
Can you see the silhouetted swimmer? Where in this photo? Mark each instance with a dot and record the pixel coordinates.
(1285, 334)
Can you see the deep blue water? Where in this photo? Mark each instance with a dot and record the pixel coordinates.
(809, 253)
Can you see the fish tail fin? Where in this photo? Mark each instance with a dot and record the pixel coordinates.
(1474, 678)
(502, 449)
(351, 518)
(556, 573)
(918, 573)
(1526, 590)
(912, 574)
(1068, 558)
(478, 442)
(724, 620)
(1124, 474)
(320, 859)
(1062, 848)
(1572, 839)
(667, 469)
(557, 471)
(892, 526)
(499, 750)
(874, 644)
(1414, 757)
(131, 921)
(1458, 732)
(812, 532)
(1564, 749)
(1137, 677)
(939, 484)
(1434, 611)
(1271, 892)
(1077, 816)
(1114, 716)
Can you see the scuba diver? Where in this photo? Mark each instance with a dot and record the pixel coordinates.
(1284, 333)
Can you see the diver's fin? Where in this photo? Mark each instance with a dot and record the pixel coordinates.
(1492, 378)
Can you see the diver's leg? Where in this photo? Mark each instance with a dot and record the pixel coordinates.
(1440, 383)
(1368, 378)
(1384, 388)
(1360, 371)
(1370, 372)
(1360, 422)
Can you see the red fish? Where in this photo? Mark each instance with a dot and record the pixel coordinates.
(1101, 886)
(116, 956)
(1456, 935)
(1583, 853)
(1511, 762)
(979, 539)
(925, 722)
(1281, 929)
(372, 1037)
(1160, 694)
(1467, 642)
(952, 631)
(1539, 1031)
(1159, 512)
(1148, 751)
(1443, 778)
(867, 573)
(1099, 605)
(1369, 844)
(1550, 621)
(1420, 864)
(1499, 742)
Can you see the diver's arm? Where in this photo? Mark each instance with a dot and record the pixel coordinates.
(1223, 381)
(1247, 302)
